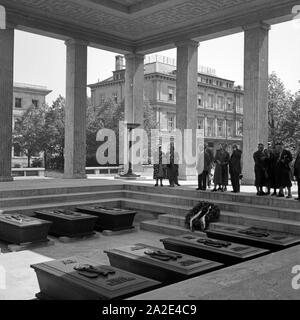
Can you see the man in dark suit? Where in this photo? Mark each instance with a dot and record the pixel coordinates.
(297, 169)
(235, 168)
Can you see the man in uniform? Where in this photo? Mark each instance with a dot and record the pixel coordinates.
(235, 168)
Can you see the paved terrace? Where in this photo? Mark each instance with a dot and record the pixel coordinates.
(45, 182)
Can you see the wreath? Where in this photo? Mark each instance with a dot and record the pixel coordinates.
(201, 215)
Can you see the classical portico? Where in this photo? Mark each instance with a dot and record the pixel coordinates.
(136, 28)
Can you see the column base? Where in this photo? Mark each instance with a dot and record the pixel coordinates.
(74, 176)
(6, 179)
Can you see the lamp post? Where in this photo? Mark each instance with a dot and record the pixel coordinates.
(130, 174)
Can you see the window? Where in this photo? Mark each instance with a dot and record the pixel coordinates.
(171, 94)
(239, 127)
(229, 104)
(200, 100)
(35, 103)
(102, 98)
(115, 97)
(229, 128)
(220, 103)
(210, 128)
(210, 101)
(17, 150)
(220, 128)
(239, 104)
(200, 123)
(171, 122)
(18, 103)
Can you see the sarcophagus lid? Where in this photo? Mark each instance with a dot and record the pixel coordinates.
(159, 264)
(259, 237)
(217, 250)
(78, 278)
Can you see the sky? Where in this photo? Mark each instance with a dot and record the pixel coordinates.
(42, 61)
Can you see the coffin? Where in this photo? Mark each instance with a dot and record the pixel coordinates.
(212, 249)
(59, 280)
(262, 238)
(19, 229)
(68, 223)
(114, 219)
(134, 259)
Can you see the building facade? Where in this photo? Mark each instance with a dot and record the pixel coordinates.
(24, 97)
(219, 102)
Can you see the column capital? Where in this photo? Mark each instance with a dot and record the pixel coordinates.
(132, 55)
(186, 42)
(257, 25)
(71, 42)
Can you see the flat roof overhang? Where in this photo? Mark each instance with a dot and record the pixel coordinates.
(124, 34)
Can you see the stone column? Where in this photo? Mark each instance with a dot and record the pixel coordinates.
(6, 101)
(134, 88)
(255, 127)
(75, 114)
(186, 98)
(134, 96)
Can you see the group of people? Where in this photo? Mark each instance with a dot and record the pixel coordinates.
(166, 167)
(274, 169)
(224, 164)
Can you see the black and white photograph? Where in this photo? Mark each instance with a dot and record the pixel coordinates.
(149, 153)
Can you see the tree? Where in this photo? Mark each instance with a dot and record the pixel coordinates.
(279, 106)
(291, 125)
(54, 133)
(29, 132)
(106, 115)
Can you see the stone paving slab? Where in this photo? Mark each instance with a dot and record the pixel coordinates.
(266, 278)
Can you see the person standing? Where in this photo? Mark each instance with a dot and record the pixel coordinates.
(172, 167)
(235, 168)
(159, 169)
(203, 167)
(221, 169)
(297, 170)
(283, 170)
(259, 169)
(271, 161)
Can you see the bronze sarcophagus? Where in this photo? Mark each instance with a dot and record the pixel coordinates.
(68, 223)
(258, 237)
(159, 264)
(114, 219)
(79, 278)
(19, 229)
(216, 250)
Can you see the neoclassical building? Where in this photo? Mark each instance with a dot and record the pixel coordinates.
(219, 101)
(24, 97)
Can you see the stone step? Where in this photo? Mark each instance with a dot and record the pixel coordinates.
(240, 219)
(171, 230)
(246, 198)
(160, 208)
(244, 208)
(29, 210)
(57, 198)
(50, 190)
